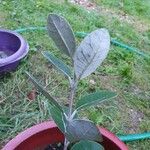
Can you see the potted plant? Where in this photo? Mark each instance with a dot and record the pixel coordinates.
(68, 129)
(13, 48)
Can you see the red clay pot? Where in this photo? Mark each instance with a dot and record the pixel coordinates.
(38, 136)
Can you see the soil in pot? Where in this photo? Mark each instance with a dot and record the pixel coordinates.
(59, 146)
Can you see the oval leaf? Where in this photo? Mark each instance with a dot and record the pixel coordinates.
(44, 92)
(61, 33)
(94, 98)
(58, 117)
(87, 145)
(91, 52)
(82, 130)
(58, 64)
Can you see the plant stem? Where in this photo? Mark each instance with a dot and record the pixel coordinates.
(73, 86)
(66, 143)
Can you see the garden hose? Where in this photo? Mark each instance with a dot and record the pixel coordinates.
(83, 34)
(30, 29)
(115, 42)
(134, 137)
(125, 138)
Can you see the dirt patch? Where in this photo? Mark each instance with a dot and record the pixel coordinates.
(85, 3)
(2, 17)
(143, 94)
(135, 118)
(123, 17)
(107, 82)
(131, 118)
(139, 25)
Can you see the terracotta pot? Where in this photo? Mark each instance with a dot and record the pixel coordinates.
(13, 48)
(40, 135)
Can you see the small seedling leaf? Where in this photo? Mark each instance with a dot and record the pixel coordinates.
(91, 53)
(58, 64)
(82, 130)
(94, 98)
(66, 111)
(87, 145)
(61, 33)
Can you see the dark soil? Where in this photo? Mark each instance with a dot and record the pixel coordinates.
(58, 146)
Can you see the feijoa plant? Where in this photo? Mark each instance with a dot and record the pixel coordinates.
(83, 134)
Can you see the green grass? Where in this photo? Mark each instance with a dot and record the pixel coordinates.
(135, 7)
(123, 72)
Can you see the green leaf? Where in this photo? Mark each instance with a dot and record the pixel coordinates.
(82, 130)
(91, 53)
(55, 109)
(66, 111)
(87, 145)
(44, 92)
(58, 63)
(94, 98)
(59, 118)
(61, 33)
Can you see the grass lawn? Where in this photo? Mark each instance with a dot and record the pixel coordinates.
(126, 73)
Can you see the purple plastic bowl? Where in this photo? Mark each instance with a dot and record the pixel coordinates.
(13, 48)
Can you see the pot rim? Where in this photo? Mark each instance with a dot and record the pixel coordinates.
(20, 53)
(12, 144)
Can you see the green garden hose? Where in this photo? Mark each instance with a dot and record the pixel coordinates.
(125, 138)
(30, 29)
(134, 137)
(83, 34)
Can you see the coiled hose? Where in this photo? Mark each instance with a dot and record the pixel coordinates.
(83, 34)
(125, 138)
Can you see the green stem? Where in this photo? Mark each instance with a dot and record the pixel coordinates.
(73, 86)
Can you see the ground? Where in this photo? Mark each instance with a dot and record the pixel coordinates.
(124, 72)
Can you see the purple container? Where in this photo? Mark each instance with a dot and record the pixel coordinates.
(13, 48)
